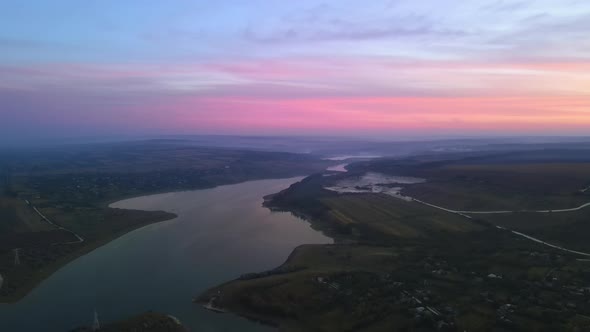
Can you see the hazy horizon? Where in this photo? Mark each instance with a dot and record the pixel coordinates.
(237, 141)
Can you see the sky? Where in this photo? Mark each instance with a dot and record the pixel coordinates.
(254, 67)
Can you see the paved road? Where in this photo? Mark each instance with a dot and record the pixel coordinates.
(528, 211)
(549, 244)
(80, 239)
(466, 215)
(462, 212)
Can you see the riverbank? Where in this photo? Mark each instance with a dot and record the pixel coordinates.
(221, 297)
(146, 322)
(72, 189)
(160, 266)
(74, 251)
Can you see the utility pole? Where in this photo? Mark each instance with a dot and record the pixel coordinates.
(16, 257)
(96, 324)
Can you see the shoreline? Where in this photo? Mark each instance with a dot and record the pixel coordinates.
(65, 260)
(87, 247)
(108, 202)
(205, 298)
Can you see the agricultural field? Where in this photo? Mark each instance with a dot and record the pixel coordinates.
(504, 187)
(394, 217)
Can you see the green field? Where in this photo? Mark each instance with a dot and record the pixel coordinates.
(504, 187)
(516, 187)
(393, 217)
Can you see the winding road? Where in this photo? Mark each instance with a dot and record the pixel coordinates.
(466, 214)
(461, 212)
(528, 211)
(80, 239)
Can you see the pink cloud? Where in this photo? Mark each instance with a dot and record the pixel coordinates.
(346, 94)
(367, 114)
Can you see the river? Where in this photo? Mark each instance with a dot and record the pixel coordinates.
(219, 234)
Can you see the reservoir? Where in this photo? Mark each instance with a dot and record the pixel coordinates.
(219, 234)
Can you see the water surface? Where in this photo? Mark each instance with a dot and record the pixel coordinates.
(338, 168)
(219, 234)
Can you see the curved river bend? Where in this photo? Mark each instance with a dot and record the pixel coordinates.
(219, 234)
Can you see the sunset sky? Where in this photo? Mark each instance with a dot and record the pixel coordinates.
(392, 67)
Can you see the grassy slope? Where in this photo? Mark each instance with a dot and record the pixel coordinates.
(146, 322)
(371, 282)
(17, 217)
